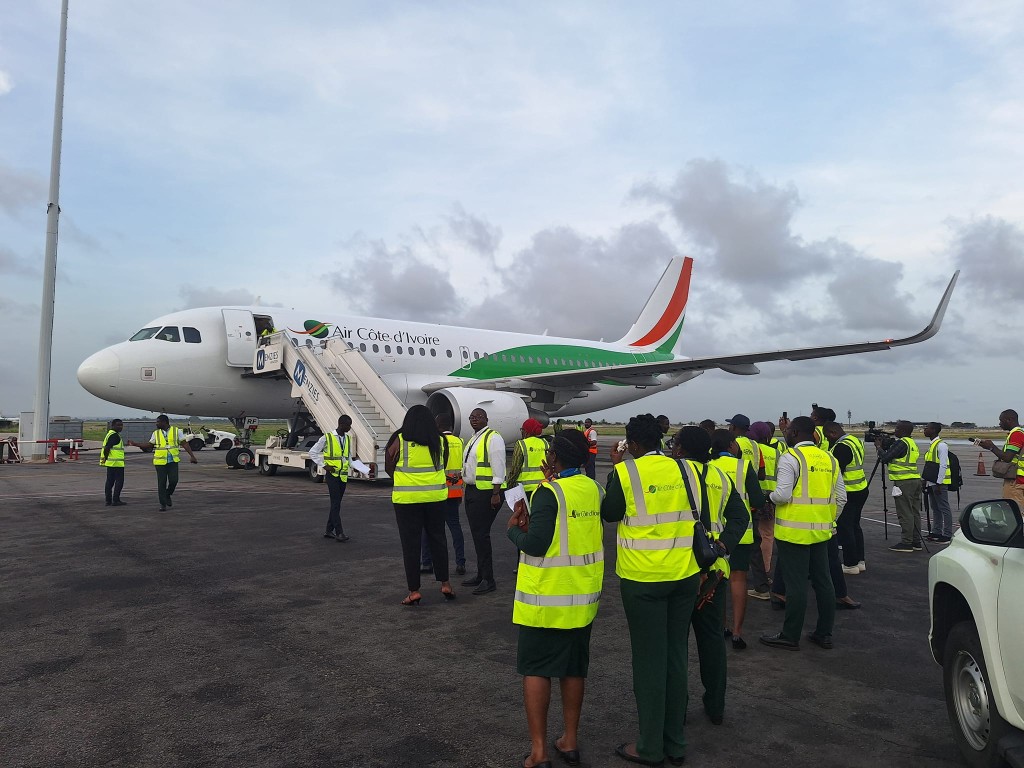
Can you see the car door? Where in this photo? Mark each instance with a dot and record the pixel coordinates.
(1011, 625)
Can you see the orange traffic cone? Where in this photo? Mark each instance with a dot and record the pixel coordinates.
(981, 465)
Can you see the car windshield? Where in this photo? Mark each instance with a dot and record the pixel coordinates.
(145, 333)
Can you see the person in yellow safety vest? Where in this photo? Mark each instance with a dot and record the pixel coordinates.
(727, 519)
(453, 479)
(659, 578)
(739, 425)
(821, 416)
(901, 457)
(773, 441)
(666, 427)
(849, 452)
(415, 457)
(558, 588)
(809, 492)
(1012, 451)
(112, 457)
(591, 434)
(528, 455)
(764, 516)
(333, 453)
(483, 469)
(164, 443)
(725, 453)
(938, 489)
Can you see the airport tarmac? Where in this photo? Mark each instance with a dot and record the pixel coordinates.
(228, 631)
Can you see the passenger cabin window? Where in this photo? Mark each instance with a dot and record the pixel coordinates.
(191, 335)
(145, 333)
(449, 352)
(362, 347)
(169, 333)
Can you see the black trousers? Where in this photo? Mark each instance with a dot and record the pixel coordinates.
(413, 520)
(166, 481)
(337, 489)
(480, 515)
(835, 572)
(115, 482)
(851, 537)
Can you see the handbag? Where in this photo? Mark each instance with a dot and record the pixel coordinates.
(1004, 469)
(705, 550)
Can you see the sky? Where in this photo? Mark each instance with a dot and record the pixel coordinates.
(532, 166)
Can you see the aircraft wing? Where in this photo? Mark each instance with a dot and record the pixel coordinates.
(641, 374)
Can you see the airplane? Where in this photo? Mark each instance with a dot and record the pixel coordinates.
(199, 361)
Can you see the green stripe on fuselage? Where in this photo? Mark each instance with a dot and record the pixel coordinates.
(551, 358)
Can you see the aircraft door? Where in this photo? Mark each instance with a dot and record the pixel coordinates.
(464, 358)
(241, 335)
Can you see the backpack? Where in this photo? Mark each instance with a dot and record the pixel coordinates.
(956, 478)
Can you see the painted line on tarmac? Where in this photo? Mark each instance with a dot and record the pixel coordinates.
(872, 520)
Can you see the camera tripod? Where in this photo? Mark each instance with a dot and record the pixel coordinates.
(885, 505)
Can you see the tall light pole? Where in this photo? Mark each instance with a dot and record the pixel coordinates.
(41, 427)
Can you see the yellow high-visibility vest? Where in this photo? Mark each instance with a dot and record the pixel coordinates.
(165, 449)
(811, 514)
(336, 455)
(736, 470)
(115, 456)
(771, 468)
(562, 589)
(453, 469)
(1019, 460)
(905, 467)
(719, 486)
(933, 455)
(751, 451)
(533, 449)
(484, 473)
(655, 537)
(853, 475)
(416, 477)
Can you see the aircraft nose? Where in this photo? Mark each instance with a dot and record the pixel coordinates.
(98, 373)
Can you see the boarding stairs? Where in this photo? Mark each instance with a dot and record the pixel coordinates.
(333, 379)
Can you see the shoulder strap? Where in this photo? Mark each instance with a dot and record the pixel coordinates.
(702, 499)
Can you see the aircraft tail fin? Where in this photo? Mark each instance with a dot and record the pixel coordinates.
(661, 322)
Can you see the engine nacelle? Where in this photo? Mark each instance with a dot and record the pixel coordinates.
(505, 412)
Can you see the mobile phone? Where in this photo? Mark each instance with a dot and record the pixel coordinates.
(621, 446)
(785, 415)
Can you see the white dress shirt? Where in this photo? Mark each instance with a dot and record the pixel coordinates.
(496, 451)
(788, 470)
(316, 453)
(942, 451)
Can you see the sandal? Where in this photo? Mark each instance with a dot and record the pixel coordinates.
(410, 600)
(449, 593)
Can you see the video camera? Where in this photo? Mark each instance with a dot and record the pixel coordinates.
(873, 433)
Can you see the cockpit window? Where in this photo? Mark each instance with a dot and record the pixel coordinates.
(145, 333)
(169, 333)
(191, 335)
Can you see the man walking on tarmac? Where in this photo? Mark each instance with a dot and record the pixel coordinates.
(332, 452)
(112, 457)
(902, 460)
(164, 443)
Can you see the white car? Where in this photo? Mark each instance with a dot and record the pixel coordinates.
(976, 591)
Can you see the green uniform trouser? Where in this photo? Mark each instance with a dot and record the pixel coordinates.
(707, 632)
(166, 481)
(798, 563)
(908, 510)
(658, 614)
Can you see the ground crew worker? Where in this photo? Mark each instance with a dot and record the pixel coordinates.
(938, 489)
(654, 499)
(821, 416)
(333, 452)
(456, 486)
(849, 452)
(810, 490)
(164, 443)
(764, 516)
(773, 441)
(112, 457)
(902, 460)
(483, 469)
(528, 457)
(739, 425)
(725, 455)
(591, 434)
(561, 561)
(726, 518)
(1012, 451)
(666, 427)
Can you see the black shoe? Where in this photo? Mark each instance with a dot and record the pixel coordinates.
(901, 547)
(460, 570)
(728, 634)
(568, 756)
(108, 503)
(621, 752)
(342, 538)
(676, 760)
(918, 546)
(119, 503)
(426, 569)
(485, 587)
(738, 644)
(848, 604)
(778, 605)
(163, 509)
(778, 641)
(474, 582)
(825, 641)
(715, 719)
(169, 502)
(330, 535)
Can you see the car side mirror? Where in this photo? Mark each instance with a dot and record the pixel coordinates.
(996, 522)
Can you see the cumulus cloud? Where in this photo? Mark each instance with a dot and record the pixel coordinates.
(990, 253)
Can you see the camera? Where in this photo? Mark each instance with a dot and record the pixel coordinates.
(873, 433)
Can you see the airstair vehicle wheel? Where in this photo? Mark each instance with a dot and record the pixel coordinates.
(266, 468)
(225, 445)
(314, 472)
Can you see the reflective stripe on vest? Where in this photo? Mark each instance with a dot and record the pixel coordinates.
(719, 487)
(736, 470)
(561, 590)
(165, 450)
(822, 440)
(853, 475)
(655, 537)
(771, 468)
(750, 451)
(336, 455)
(416, 478)
(1018, 460)
(933, 455)
(484, 473)
(115, 456)
(533, 450)
(810, 516)
(453, 469)
(905, 467)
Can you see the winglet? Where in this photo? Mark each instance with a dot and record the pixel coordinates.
(662, 315)
(940, 311)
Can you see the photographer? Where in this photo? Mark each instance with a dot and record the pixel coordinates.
(901, 457)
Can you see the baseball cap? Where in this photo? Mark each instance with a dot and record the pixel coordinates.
(739, 420)
(532, 427)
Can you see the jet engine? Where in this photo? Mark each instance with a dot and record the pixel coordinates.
(505, 412)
